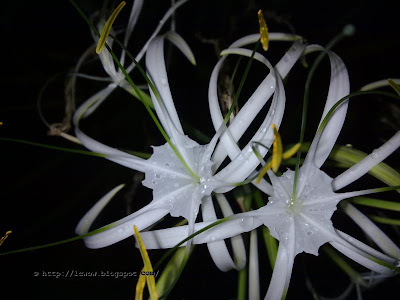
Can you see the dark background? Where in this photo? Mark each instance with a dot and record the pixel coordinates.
(44, 193)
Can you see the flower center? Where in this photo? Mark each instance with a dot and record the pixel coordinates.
(300, 221)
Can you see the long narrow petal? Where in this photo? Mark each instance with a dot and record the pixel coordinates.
(237, 171)
(155, 64)
(164, 19)
(181, 44)
(366, 164)
(218, 249)
(254, 278)
(279, 275)
(322, 144)
(124, 230)
(88, 219)
(373, 231)
(362, 260)
(168, 238)
(113, 154)
(252, 107)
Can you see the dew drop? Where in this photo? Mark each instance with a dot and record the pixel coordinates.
(272, 87)
(154, 182)
(176, 185)
(240, 157)
(212, 238)
(121, 230)
(309, 232)
(263, 129)
(158, 176)
(164, 81)
(286, 58)
(396, 263)
(167, 164)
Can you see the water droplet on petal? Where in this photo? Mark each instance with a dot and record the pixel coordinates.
(154, 182)
(121, 230)
(158, 176)
(212, 238)
(164, 81)
(396, 263)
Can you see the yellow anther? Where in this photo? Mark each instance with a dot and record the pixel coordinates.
(107, 27)
(151, 283)
(5, 237)
(292, 151)
(276, 150)
(263, 30)
(277, 155)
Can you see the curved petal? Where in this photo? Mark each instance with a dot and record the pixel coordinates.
(168, 238)
(254, 278)
(123, 230)
(279, 275)
(245, 162)
(88, 219)
(323, 143)
(373, 231)
(362, 260)
(156, 31)
(367, 163)
(218, 250)
(115, 155)
(252, 107)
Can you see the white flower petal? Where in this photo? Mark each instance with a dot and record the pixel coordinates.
(364, 248)
(168, 238)
(279, 275)
(88, 219)
(252, 107)
(115, 155)
(218, 250)
(164, 19)
(362, 260)
(125, 229)
(92, 103)
(339, 87)
(366, 164)
(373, 231)
(254, 278)
(181, 44)
(156, 69)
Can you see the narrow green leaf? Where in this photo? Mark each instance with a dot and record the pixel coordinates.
(242, 284)
(371, 202)
(384, 220)
(73, 239)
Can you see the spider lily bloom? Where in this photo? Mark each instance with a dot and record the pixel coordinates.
(181, 185)
(301, 220)
(115, 75)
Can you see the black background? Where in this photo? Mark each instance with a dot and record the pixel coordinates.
(44, 193)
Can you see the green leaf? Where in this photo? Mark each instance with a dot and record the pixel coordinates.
(371, 202)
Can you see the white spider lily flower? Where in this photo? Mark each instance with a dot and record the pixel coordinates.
(115, 75)
(175, 190)
(302, 221)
